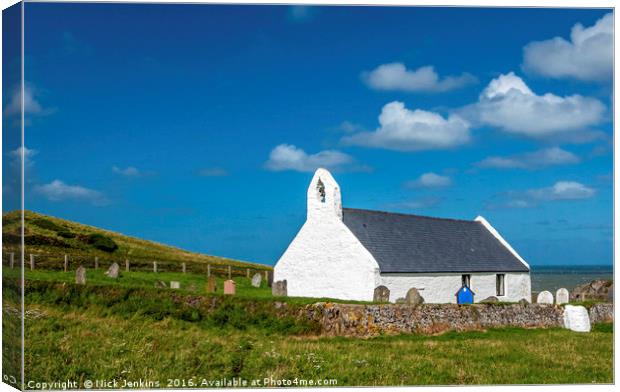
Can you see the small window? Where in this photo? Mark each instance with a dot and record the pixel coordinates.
(466, 280)
(499, 284)
(320, 191)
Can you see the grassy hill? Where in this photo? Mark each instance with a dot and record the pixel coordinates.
(131, 328)
(50, 237)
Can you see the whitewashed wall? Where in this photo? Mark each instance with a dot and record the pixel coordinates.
(441, 288)
(325, 259)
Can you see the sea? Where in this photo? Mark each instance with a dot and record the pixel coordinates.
(569, 276)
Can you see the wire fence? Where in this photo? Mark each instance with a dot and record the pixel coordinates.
(67, 262)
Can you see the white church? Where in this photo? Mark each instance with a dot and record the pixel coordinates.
(346, 253)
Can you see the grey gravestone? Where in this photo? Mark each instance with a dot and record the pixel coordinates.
(80, 275)
(113, 271)
(490, 300)
(413, 297)
(382, 294)
(161, 284)
(544, 297)
(175, 285)
(523, 302)
(279, 288)
(211, 285)
(256, 279)
(561, 296)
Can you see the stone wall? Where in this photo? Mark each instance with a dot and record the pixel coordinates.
(368, 320)
(601, 312)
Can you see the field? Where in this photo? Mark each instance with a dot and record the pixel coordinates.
(127, 330)
(137, 332)
(139, 348)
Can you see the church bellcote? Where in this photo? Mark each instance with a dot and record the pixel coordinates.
(324, 198)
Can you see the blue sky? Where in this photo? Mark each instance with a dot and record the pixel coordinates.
(200, 126)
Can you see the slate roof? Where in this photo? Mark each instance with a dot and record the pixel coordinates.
(403, 243)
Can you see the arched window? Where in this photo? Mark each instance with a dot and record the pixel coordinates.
(320, 191)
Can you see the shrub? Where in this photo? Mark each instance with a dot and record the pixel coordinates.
(99, 241)
(66, 234)
(10, 218)
(43, 240)
(11, 238)
(47, 224)
(34, 239)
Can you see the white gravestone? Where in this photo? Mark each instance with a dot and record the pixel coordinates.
(175, 284)
(561, 296)
(256, 279)
(113, 271)
(544, 297)
(576, 318)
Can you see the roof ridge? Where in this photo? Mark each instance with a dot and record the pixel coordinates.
(413, 215)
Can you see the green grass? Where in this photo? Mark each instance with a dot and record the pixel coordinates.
(85, 345)
(191, 283)
(128, 329)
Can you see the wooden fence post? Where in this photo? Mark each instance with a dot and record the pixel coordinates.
(12, 259)
(229, 272)
(208, 270)
(96, 262)
(184, 267)
(31, 262)
(66, 263)
(266, 275)
(127, 265)
(154, 266)
(247, 272)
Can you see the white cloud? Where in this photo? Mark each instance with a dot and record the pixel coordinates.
(518, 204)
(288, 157)
(563, 190)
(430, 180)
(16, 157)
(553, 156)
(515, 203)
(395, 76)
(59, 191)
(132, 172)
(413, 130)
(31, 104)
(129, 171)
(212, 172)
(587, 56)
(509, 104)
(349, 127)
